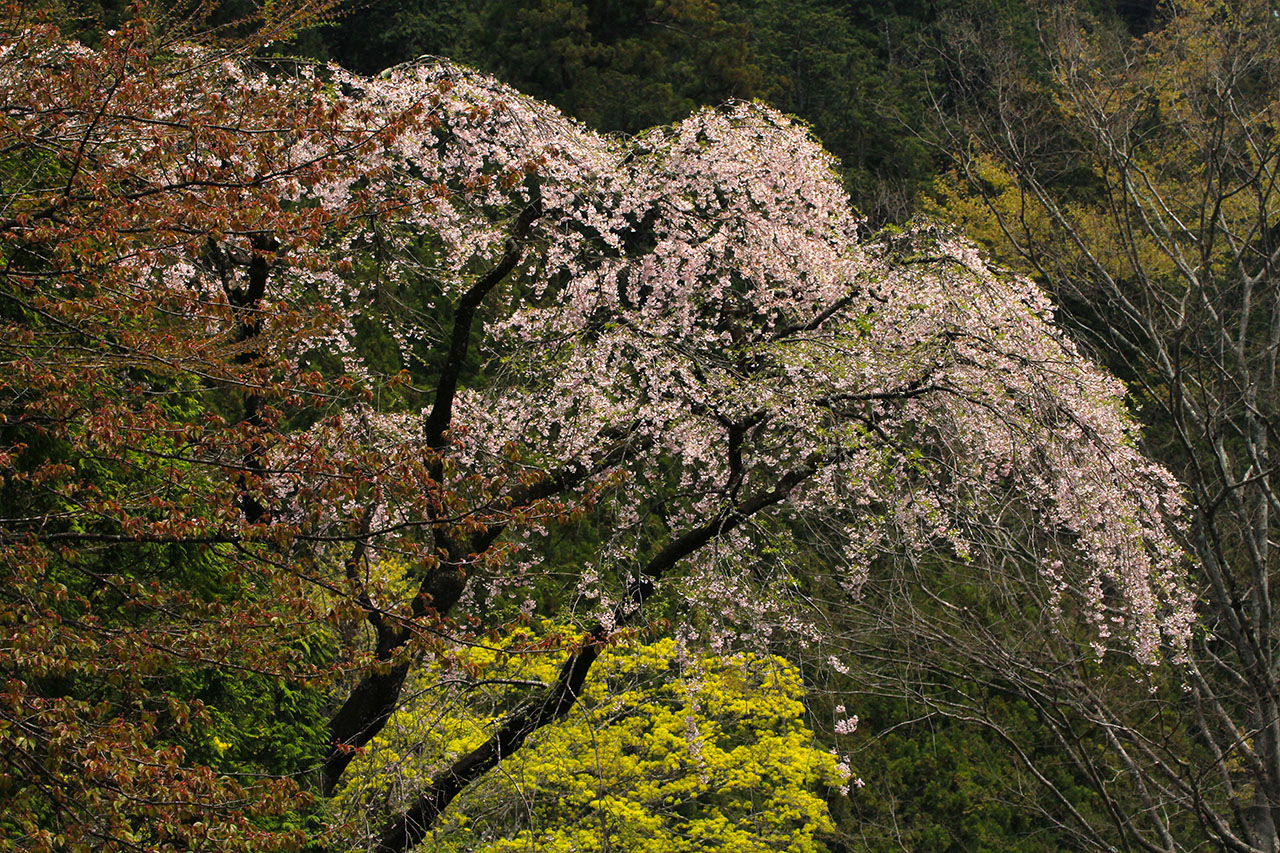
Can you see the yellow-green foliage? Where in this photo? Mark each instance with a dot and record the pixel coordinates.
(1165, 183)
(663, 753)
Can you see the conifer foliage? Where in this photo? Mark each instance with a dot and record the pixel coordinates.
(272, 330)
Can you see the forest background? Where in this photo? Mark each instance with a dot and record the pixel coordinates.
(1044, 136)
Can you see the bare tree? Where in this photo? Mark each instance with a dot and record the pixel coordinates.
(1137, 181)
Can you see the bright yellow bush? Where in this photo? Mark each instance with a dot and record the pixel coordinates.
(663, 753)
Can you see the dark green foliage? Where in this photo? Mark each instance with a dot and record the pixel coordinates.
(936, 784)
(623, 65)
(863, 74)
(852, 71)
(370, 35)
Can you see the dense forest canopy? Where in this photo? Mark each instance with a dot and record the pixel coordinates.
(388, 457)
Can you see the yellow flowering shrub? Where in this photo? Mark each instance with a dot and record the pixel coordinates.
(664, 752)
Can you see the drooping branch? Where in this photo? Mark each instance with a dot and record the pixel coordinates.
(1163, 270)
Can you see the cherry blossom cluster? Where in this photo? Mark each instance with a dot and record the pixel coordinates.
(702, 295)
